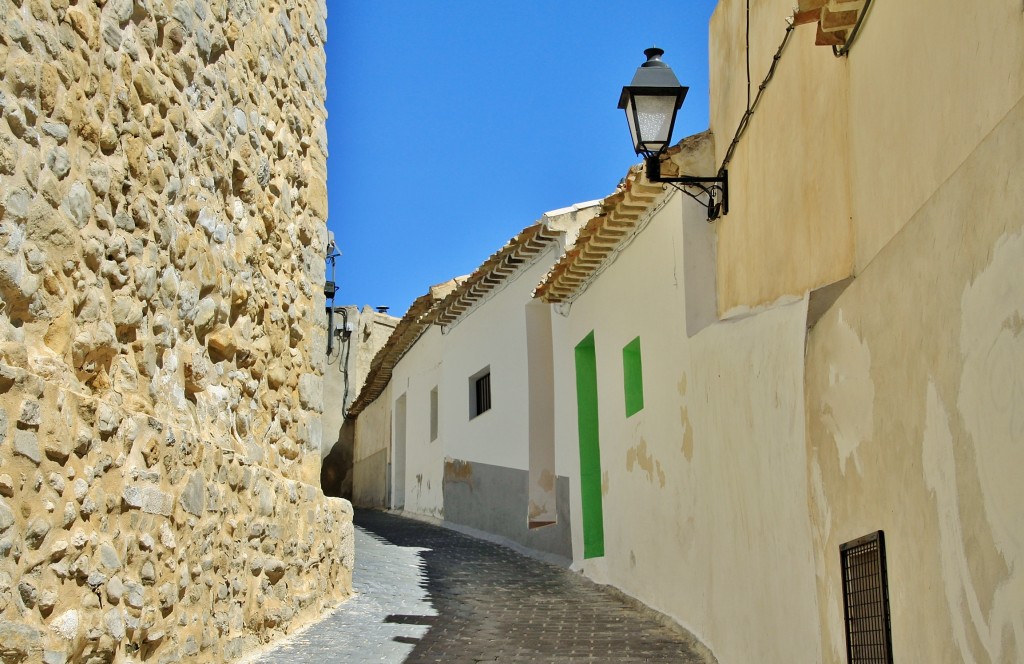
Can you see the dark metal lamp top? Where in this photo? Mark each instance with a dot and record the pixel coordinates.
(651, 101)
(653, 77)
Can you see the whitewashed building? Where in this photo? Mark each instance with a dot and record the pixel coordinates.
(457, 420)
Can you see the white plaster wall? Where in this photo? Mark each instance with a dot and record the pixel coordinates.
(415, 375)
(494, 334)
(705, 505)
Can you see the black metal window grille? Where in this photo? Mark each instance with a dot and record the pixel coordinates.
(483, 394)
(866, 600)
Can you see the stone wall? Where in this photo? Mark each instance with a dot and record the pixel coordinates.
(162, 209)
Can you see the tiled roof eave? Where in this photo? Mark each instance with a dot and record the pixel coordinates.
(499, 267)
(601, 237)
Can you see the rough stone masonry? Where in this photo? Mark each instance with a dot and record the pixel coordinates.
(162, 239)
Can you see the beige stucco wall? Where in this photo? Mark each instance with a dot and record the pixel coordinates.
(371, 454)
(915, 410)
(162, 238)
(912, 125)
(704, 493)
(346, 369)
(349, 362)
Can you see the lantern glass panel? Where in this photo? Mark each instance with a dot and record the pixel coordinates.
(631, 121)
(654, 115)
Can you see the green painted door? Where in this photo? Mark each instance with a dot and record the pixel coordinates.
(590, 448)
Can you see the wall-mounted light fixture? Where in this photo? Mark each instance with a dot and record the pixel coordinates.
(330, 289)
(651, 101)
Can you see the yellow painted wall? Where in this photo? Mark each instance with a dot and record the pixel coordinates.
(915, 417)
(841, 152)
(788, 229)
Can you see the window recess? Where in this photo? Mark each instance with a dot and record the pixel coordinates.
(633, 377)
(480, 392)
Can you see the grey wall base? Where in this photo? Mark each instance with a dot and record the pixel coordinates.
(494, 499)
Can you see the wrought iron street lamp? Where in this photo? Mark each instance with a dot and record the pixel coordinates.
(651, 101)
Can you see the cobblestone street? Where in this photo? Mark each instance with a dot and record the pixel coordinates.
(429, 594)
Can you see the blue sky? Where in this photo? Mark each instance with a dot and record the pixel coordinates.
(452, 125)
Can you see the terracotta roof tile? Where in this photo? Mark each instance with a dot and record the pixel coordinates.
(505, 262)
(446, 302)
(409, 329)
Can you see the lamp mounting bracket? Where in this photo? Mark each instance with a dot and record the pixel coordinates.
(716, 188)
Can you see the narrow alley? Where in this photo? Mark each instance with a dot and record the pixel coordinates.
(429, 594)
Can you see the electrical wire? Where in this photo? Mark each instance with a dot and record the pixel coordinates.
(745, 120)
(346, 338)
(790, 25)
(746, 50)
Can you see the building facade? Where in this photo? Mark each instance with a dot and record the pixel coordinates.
(355, 337)
(454, 439)
(821, 392)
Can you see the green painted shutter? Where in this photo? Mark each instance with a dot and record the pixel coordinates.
(633, 377)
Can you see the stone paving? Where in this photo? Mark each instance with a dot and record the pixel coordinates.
(429, 594)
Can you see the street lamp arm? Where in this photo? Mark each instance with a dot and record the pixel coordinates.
(717, 192)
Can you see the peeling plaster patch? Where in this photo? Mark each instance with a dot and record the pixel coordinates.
(546, 481)
(991, 398)
(639, 455)
(1015, 324)
(821, 525)
(456, 470)
(991, 406)
(847, 404)
(819, 499)
(939, 468)
(835, 625)
(684, 417)
(681, 385)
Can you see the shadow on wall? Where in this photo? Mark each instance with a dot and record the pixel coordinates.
(336, 470)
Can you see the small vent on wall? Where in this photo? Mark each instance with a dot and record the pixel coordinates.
(433, 414)
(866, 600)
